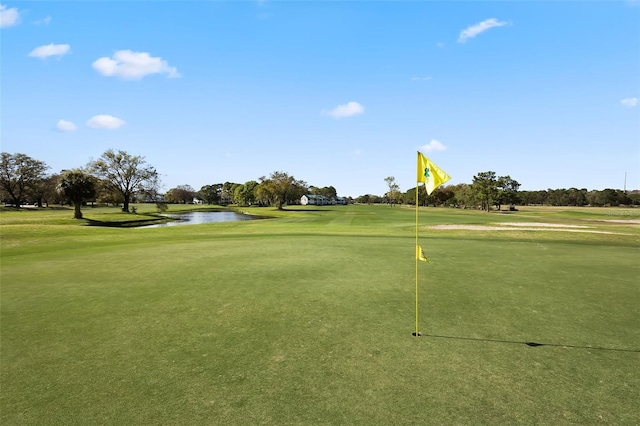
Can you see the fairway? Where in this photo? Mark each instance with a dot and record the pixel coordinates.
(306, 318)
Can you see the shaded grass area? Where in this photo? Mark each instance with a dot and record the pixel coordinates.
(307, 319)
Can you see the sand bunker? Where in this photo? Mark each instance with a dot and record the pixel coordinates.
(540, 224)
(625, 221)
(524, 226)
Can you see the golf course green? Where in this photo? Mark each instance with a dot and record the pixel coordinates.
(307, 317)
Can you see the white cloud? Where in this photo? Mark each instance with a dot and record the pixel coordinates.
(65, 126)
(347, 110)
(104, 121)
(130, 65)
(9, 17)
(479, 28)
(433, 146)
(629, 102)
(43, 52)
(44, 21)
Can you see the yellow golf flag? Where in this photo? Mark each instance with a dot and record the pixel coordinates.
(420, 254)
(431, 175)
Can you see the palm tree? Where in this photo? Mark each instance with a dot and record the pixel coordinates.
(77, 186)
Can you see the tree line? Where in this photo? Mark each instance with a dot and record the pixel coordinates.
(116, 177)
(488, 191)
(277, 189)
(120, 178)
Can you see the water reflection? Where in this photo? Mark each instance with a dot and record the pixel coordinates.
(196, 218)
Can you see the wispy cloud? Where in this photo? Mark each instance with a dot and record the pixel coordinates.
(130, 65)
(479, 28)
(346, 110)
(433, 146)
(65, 126)
(104, 121)
(44, 21)
(629, 102)
(263, 15)
(9, 16)
(421, 78)
(43, 52)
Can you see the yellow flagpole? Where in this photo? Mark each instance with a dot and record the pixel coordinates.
(432, 178)
(416, 256)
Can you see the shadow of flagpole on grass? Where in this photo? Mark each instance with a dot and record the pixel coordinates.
(531, 344)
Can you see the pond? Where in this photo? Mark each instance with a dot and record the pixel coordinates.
(197, 218)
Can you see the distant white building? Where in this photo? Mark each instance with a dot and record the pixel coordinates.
(320, 200)
(341, 200)
(314, 200)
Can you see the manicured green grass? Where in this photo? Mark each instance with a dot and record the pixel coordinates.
(306, 318)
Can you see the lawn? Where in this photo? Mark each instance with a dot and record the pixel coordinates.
(306, 318)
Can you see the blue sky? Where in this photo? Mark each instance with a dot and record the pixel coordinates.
(333, 93)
